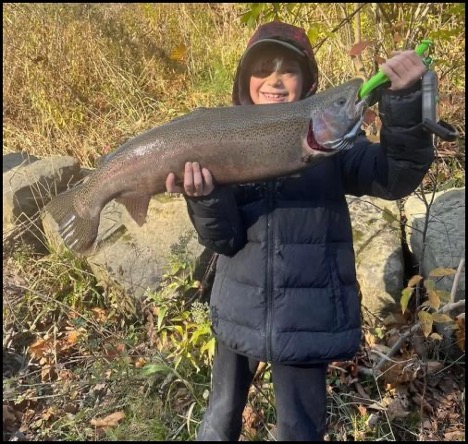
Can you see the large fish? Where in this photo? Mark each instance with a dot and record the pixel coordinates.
(236, 144)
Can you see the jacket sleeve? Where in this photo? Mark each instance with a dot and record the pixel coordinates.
(217, 220)
(394, 168)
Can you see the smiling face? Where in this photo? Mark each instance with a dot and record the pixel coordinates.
(275, 77)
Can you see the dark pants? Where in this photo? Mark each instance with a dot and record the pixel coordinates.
(300, 394)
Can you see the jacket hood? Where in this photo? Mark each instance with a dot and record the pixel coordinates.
(276, 33)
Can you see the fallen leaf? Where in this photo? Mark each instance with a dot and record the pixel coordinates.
(140, 362)
(72, 336)
(109, 421)
(39, 348)
(358, 47)
(99, 314)
(362, 410)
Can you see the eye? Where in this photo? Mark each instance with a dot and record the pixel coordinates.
(261, 73)
(341, 102)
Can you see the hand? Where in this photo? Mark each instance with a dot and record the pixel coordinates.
(403, 69)
(197, 181)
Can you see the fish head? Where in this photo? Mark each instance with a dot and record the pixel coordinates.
(336, 118)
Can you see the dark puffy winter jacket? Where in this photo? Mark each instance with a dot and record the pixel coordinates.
(285, 288)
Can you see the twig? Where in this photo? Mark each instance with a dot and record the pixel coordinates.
(336, 28)
(413, 329)
(453, 291)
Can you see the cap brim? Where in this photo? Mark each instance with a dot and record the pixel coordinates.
(268, 42)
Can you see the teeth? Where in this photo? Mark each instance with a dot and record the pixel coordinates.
(274, 96)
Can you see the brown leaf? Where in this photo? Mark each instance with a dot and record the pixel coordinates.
(99, 314)
(109, 421)
(358, 47)
(414, 280)
(397, 37)
(362, 410)
(48, 373)
(72, 336)
(140, 362)
(40, 348)
(379, 60)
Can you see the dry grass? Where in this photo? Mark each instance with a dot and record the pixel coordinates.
(80, 79)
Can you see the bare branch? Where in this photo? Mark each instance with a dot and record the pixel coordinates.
(453, 292)
(446, 308)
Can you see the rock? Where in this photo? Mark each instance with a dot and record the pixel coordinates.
(445, 238)
(29, 185)
(136, 257)
(444, 247)
(379, 255)
(12, 160)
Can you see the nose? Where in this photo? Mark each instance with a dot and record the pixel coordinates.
(274, 78)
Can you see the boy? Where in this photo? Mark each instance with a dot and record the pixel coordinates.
(285, 288)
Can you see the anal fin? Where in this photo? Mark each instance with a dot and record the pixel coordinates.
(137, 206)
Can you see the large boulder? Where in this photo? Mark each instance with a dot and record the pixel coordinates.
(28, 184)
(445, 236)
(136, 257)
(379, 255)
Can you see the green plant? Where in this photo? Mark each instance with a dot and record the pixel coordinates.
(182, 328)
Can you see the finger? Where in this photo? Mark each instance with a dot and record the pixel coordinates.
(171, 186)
(197, 179)
(209, 183)
(188, 179)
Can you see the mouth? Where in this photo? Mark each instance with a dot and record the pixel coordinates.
(274, 97)
(312, 142)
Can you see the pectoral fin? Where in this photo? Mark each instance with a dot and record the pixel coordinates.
(137, 206)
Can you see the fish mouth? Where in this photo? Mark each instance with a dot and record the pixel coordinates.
(312, 142)
(346, 141)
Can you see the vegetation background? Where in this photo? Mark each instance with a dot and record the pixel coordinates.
(81, 78)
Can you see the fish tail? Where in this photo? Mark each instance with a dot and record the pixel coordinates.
(77, 232)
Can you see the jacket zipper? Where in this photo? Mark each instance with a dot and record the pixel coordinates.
(269, 268)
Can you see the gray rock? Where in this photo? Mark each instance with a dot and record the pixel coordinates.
(12, 160)
(136, 257)
(379, 255)
(28, 186)
(445, 238)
